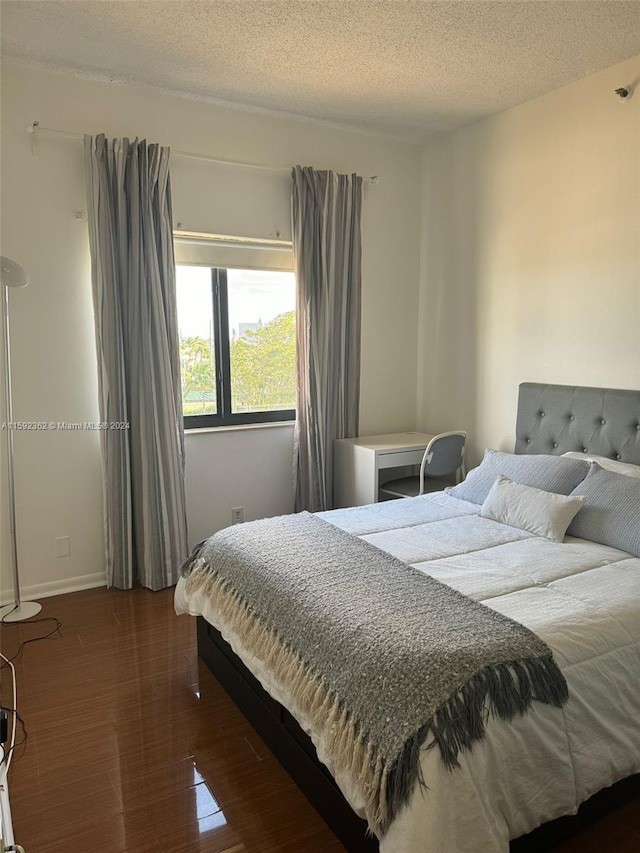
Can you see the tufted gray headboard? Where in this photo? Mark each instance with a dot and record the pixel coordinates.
(558, 418)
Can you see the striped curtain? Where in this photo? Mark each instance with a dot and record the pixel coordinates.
(133, 275)
(327, 250)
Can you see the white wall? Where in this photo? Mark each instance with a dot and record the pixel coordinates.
(58, 474)
(528, 270)
(531, 256)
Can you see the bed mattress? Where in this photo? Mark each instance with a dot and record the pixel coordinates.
(581, 598)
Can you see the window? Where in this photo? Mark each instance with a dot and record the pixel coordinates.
(237, 345)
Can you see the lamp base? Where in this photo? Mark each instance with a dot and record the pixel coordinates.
(25, 610)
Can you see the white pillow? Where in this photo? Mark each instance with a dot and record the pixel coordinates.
(608, 464)
(539, 512)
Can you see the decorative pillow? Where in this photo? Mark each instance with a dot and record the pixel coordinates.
(550, 473)
(539, 512)
(611, 512)
(606, 463)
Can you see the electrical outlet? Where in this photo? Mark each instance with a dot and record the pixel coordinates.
(237, 515)
(63, 546)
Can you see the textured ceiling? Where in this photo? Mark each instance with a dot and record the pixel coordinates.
(398, 67)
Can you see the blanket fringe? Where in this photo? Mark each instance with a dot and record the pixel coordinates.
(506, 689)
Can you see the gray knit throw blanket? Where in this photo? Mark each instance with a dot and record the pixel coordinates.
(377, 656)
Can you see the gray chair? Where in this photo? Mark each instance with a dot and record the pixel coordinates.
(444, 456)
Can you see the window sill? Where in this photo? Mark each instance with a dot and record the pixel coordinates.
(238, 427)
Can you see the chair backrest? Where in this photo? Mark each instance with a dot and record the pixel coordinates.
(444, 455)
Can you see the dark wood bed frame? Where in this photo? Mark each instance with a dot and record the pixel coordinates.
(551, 419)
(293, 748)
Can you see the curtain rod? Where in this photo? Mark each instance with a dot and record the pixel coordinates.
(35, 128)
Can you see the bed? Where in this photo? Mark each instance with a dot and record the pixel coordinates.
(582, 598)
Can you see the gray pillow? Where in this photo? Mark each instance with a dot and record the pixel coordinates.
(611, 511)
(556, 474)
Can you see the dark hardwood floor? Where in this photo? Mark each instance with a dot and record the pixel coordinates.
(133, 746)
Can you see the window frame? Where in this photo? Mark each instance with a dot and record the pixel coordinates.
(222, 350)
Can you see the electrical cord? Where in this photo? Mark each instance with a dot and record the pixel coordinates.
(7, 755)
(7, 762)
(17, 656)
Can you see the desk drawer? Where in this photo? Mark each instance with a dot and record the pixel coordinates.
(397, 460)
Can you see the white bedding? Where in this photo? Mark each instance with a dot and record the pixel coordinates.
(582, 599)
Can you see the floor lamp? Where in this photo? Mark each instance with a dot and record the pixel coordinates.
(12, 275)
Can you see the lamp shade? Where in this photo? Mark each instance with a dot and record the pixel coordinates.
(12, 274)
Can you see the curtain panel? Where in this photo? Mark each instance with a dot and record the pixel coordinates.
(327, 249)
(133, 278)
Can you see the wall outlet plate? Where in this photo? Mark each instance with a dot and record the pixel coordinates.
(63, 546)
(237, 515)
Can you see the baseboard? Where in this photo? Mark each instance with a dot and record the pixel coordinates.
(60, 587)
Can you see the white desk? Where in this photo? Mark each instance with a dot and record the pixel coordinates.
(358, 462)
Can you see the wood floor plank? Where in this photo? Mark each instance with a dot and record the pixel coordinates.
(134, 747)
